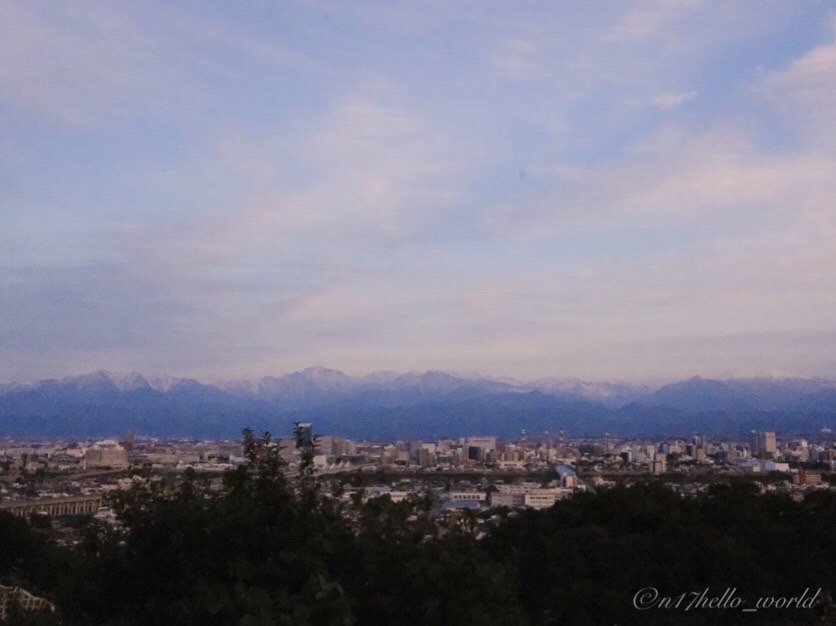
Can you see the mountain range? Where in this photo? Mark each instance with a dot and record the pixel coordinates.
(391, 405)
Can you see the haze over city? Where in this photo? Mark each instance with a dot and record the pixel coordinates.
(636, 191)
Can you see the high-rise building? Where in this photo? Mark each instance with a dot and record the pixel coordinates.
(304, 435)
(485, 443)
(659, 465)
(763, 444)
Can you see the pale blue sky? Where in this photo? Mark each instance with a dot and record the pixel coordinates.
(630, 190)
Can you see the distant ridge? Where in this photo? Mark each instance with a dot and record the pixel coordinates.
(404, 405)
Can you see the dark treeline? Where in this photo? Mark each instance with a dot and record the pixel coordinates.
(264, 551)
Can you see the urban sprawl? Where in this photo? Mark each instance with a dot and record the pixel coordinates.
(65, 479)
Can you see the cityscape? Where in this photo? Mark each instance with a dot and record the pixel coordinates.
(466, 485)
(487, 472)
(433, 313)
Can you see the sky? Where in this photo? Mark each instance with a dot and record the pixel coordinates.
(619, 190)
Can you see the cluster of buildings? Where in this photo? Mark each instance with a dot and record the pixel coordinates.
(464, 453)
(79, 473)
(58, 457)
(762, 453)
(453, 478)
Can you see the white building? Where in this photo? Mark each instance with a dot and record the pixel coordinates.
(106, 454)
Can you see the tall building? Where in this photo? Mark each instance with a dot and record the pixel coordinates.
(478, 448)
(304, 435)
(335, 446)
(106, 454)
(485, 443)
(659, 465)
(763, 444)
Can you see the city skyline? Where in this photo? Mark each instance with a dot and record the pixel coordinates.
(218, 192)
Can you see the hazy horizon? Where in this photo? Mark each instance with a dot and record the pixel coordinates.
(652, 383)
(639, 191)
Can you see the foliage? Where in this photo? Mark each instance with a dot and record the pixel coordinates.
(263, 548)
(583, 560)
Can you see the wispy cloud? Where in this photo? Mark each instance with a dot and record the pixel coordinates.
(521, 190)
(669, 100)
(89, 64)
